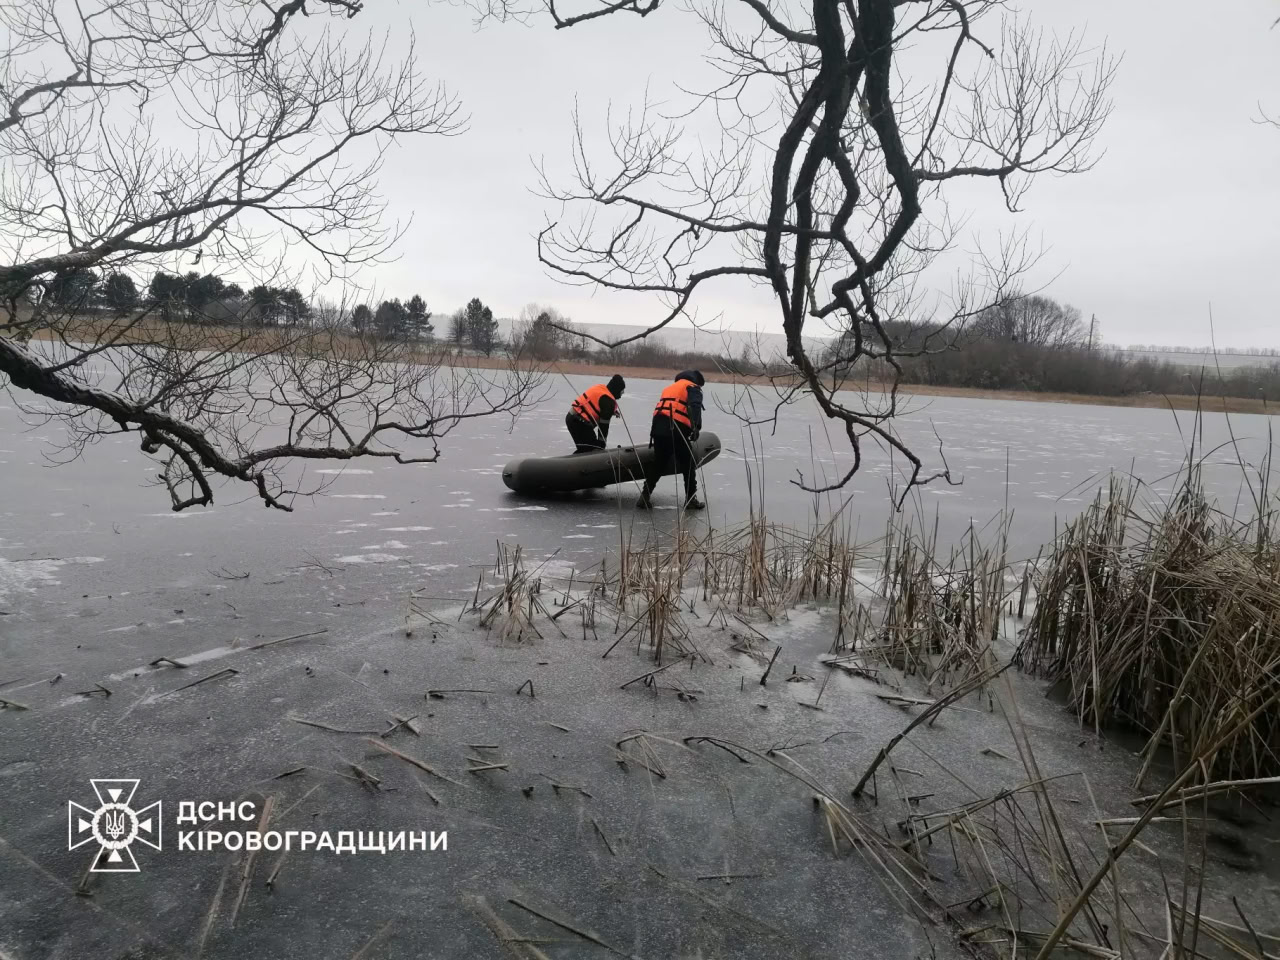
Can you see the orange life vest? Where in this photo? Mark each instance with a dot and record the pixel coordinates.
(674, 402)
(587, 406)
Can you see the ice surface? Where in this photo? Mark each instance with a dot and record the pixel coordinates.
(1054, 456)
(29, 575)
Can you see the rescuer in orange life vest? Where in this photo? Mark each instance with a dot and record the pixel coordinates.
(677, 420)
(588, 417)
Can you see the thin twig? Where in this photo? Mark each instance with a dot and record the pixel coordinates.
(412, 760)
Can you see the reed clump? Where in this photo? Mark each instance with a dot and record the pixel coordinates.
(1165, 617)
(932, 614)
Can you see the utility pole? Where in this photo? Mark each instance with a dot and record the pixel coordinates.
(1093, 321)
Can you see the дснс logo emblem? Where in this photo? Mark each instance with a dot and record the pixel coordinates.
(114, 825)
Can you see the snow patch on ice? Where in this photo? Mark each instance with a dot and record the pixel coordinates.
(368, 558)
(16, 575)
(510, 509)
(358, 496)
(407, 529)
(340, 470)
(28, 575)
(578, 536)
(389, 545)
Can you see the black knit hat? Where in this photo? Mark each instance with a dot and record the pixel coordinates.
(616, 384)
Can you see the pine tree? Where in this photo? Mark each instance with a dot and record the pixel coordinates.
(362, 318)
(74, 288)
(201, 291)
(120, 293)
(419, 323)
(391, 320)
(168, 291)
(482, 329)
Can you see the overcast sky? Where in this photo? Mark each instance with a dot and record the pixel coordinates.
(1180, 216)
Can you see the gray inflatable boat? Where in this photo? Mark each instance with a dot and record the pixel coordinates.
(597, 468)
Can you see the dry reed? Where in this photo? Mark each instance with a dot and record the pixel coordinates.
(1165, 618)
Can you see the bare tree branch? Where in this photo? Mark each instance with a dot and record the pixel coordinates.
(135, 131)
(829, 180)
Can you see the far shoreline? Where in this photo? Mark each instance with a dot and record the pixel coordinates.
(1207, 403)
(101, 330)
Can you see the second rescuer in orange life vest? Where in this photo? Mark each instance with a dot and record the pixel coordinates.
(677, 420)
(589, 415)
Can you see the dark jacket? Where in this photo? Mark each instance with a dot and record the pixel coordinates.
(694, 402)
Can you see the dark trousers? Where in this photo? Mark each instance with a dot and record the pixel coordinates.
(584, 434)
(673, 453)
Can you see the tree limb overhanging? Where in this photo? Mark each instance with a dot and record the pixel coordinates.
(818, 165)
(248, 134)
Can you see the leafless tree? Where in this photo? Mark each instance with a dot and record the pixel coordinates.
(134, 133)
(458, 328)
(1035, 320)
(820, 165)
(540, 332)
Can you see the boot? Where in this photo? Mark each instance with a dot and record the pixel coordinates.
(643, 503)
(693, 503)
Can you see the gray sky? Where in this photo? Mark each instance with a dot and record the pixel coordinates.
(1181, 215)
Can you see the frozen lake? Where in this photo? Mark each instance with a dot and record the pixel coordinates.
(97, 576)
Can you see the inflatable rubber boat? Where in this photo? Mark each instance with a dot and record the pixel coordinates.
(594, 468)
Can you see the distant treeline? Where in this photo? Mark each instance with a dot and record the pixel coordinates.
(1001, 365)
(1028, 343)
(195, 297)
(1222, 351)
(208, 299)
(1034, 343)
(545, 334)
